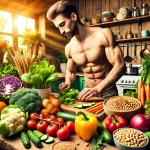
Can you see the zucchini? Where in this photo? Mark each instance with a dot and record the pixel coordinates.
(38, 133)
(66, 116)
(34, 138)
(49, 140)
(25, 140)
(44, 137)
(106, 134)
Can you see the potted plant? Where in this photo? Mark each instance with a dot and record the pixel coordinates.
(41, 76)
(62, 59)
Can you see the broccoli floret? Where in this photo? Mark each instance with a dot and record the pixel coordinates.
(28, 99)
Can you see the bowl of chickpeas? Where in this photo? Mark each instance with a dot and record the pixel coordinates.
(124, 106)
(130, 139)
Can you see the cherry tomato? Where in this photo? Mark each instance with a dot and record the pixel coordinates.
(44, 115)
(63, 133)
(31, 124)
(60, 121)
(34, 116)
(42, 125)
(70, 125)
(51, 118)
(52, 129)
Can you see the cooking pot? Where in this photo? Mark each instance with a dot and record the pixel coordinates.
(132, 70)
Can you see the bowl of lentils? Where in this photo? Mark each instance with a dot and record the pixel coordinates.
(124, 106)
(130, 139)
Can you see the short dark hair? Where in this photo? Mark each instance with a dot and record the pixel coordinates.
(63, 7)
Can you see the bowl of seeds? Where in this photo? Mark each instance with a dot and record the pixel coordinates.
(130, 139)
(124, 106)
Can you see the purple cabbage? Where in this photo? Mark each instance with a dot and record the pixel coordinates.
(9, 84)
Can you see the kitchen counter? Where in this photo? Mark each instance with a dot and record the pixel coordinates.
(14, 143)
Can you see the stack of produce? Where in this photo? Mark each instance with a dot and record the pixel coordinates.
(144, 83)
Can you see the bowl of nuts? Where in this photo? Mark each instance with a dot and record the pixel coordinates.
(130, 139)
(124, 106)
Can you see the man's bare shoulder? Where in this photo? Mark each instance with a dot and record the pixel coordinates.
(68, 48)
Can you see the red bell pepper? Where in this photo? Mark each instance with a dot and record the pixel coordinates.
(114, 122)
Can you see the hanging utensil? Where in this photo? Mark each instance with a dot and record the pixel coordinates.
(134, 56)
(145, 51)
(128, 58)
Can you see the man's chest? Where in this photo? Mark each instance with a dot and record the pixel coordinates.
(89, 52)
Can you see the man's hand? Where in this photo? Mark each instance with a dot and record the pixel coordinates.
(86, 93)
(63, 86)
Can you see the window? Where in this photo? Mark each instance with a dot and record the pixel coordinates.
(10, 30)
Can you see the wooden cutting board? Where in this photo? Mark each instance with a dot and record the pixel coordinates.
(70, 108)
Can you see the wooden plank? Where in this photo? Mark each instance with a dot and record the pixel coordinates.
(96, 8)
(88, 9)
(82, 9)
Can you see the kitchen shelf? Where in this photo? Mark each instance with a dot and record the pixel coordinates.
(123, 22)
(133, 39)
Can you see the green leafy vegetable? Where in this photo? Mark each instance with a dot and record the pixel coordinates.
(40, 75)
(131, 94)
(68, 96)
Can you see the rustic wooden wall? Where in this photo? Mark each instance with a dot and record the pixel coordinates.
(90, 8)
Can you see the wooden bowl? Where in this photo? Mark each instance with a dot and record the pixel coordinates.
(124, 106)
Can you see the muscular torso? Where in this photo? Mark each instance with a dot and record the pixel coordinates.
(91, 56)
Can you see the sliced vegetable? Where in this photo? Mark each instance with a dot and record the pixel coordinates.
(44, 137)
(49, 140)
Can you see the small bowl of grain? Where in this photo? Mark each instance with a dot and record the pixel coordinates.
(124, 106)
(130, 139)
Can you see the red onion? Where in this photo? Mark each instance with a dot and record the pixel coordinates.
(140, 122)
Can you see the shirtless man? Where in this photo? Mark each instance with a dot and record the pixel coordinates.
(92, 48)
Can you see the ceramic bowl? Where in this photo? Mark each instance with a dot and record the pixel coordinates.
(123, 106)
(123, 146)
(144, 33)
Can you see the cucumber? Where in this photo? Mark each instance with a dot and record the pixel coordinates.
(106, 134)
(38, 133)
(49, 140)
(88, 105)
(34, 138)
(25, 140)
(44, 137)
(66, 116)
(79, 106)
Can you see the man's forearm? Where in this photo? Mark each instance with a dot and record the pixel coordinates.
(70, 77)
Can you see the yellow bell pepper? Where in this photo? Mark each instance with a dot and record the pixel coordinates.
(85, 125)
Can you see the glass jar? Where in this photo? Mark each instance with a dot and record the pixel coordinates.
(144, 10)
(106, 17)
(135, 12)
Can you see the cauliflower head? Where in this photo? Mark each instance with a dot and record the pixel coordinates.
(28, 99)
(12, 120)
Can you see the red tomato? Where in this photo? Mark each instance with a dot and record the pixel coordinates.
(34, 116)
(114, 122)
(63, 133)
(70, 125)
(44, 115)
(52, 129)
(60, 121)
(31, 124)
(42, 125)
(51, 118)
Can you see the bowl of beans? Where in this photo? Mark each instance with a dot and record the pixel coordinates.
(130, 139)
(124, 106)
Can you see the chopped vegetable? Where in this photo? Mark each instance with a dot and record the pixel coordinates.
(13, 120)
(68, 96)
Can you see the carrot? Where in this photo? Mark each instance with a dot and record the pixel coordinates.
(97, 104)
(140, 84)
(99, 111)
(142, 96)
(147, 91)
(95, 109)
